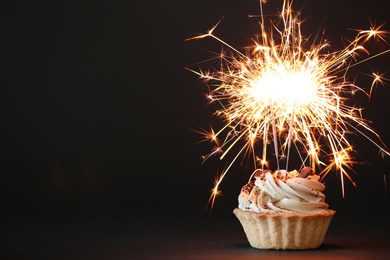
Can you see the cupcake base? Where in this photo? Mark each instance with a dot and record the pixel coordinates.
(284, 231)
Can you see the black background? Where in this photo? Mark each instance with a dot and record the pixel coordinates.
(98, 112)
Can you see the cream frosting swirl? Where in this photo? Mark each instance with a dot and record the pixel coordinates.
(283, 192)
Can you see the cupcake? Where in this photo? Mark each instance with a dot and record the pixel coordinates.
(284, 210)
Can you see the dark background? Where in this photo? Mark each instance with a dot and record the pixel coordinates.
(98, 114)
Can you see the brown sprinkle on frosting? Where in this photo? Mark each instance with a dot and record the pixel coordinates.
(259, 173)
(305, 172)
(247, 188)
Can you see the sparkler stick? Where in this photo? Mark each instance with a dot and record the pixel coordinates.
(292, 94)
(289, 137)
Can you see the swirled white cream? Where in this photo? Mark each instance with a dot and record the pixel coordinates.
(283, 192)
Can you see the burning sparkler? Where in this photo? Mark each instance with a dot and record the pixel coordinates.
(289, 97)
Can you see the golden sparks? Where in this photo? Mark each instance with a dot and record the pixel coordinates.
(287, 96)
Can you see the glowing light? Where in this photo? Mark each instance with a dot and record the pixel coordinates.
(289, 96)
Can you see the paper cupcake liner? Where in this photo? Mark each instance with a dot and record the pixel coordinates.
(284, 231)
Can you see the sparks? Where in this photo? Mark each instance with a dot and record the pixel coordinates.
(286, 96)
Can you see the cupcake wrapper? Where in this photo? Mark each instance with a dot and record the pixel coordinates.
(284, 231)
